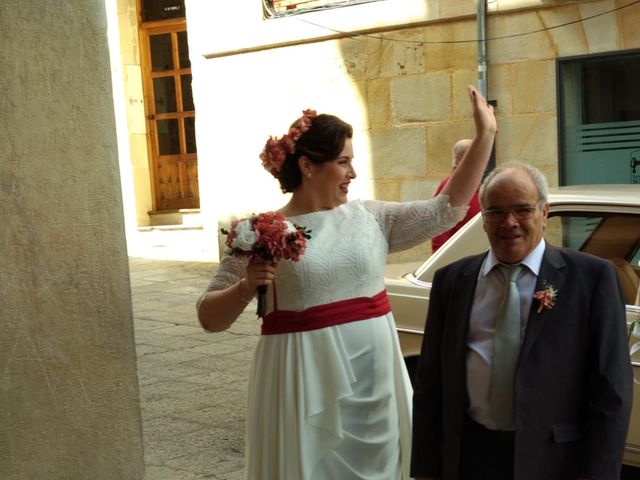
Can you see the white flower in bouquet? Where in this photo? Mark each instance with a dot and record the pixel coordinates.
(291, 228)
(245, 236)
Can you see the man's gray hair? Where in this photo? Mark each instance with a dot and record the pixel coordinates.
(536, 175)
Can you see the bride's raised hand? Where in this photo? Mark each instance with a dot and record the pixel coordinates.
(467, 176)
(483, 115)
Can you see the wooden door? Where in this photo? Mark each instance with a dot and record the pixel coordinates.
(170, 116)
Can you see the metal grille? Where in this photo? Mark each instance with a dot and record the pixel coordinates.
(282, 8)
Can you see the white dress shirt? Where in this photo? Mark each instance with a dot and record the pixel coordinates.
(489, 289)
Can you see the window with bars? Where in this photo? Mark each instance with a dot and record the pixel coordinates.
(283, 8)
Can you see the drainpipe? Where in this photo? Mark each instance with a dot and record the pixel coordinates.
(482, 47)
(481, 19)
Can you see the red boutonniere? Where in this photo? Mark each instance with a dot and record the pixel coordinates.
(546, 297)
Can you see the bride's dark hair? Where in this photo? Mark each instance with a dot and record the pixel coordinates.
(323, 142)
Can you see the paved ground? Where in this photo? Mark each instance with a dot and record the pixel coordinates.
(192, 383)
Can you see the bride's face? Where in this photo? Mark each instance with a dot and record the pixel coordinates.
(330, 180)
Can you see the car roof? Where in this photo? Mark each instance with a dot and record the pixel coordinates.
(596, 194)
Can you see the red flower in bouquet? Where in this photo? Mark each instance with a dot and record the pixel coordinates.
(267, 236)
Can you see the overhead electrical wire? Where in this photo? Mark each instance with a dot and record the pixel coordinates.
(503, 37)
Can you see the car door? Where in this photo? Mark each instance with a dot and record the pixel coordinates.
(612, 233)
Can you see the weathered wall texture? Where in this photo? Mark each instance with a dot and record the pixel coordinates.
(68, 386)
(131, 70)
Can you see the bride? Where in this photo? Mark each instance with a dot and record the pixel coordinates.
(329, 396)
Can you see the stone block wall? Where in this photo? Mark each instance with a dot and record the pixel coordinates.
(402, 87)
(138, 154)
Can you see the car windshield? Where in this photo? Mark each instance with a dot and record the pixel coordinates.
(615, 237)
(605, 235)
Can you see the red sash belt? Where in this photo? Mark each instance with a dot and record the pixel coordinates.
(321, 316)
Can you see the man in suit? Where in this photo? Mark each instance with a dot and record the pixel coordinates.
(457, 152)
(564, 415)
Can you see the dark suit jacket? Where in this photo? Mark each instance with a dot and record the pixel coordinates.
(573, 382)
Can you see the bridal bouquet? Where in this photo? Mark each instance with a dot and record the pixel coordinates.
(267, 236)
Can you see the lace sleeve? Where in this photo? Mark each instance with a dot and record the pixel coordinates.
(407, 224)
(230, 270)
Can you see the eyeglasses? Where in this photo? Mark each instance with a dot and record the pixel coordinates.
(494, 215)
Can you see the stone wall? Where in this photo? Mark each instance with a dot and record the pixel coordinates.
(131, 71)
(401, 86)
(68, 384)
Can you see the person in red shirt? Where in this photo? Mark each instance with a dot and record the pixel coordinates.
(457, 152)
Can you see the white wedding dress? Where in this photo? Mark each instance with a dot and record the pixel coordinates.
(335, 403)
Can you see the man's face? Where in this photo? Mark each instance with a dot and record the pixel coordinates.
(513, 219)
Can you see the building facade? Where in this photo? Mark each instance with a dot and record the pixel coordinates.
(561, 74)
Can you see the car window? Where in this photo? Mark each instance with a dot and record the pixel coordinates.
(615, 237)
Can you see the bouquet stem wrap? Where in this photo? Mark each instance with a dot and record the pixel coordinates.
(262, 301)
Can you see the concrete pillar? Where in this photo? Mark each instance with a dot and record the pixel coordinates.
(69, 402)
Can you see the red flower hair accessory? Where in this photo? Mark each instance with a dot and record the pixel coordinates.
(276, 149)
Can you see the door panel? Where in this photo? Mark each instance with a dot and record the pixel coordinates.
(170, 117)
(603, 153)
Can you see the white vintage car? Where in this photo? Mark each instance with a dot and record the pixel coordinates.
(603, 220)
